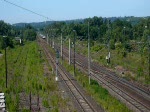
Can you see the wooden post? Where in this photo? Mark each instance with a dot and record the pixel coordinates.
(30, 99)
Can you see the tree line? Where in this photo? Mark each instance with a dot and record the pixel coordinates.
(102, 30)
(9, 32)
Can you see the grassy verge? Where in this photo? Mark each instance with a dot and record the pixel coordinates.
(26, 74)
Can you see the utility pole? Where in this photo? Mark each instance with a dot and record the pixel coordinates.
(50, 36)
(47, 37)
(5, 59)
(53, 42)
(69, 52)
(149, 54)
(99, 35)
(89, 57)
(61, 47)
(148, 39)
(124, 33)
(46, 33)
(108, 43)
(6, 62)
(74, 50)
(57, 57)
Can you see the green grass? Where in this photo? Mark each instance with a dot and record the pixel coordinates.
(26, 73)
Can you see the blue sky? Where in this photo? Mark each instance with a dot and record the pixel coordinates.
(71, 9)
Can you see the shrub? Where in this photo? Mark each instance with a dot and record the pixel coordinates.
(96, 48)
(94, 82)
(123, 53)
(128, 47)
(112, 44)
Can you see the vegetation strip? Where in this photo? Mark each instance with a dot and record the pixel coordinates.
(28, 76)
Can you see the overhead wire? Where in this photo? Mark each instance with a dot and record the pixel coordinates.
(27, 10)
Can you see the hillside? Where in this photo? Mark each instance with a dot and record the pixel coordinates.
(39, 25)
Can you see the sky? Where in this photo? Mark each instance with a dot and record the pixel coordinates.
(71, 9)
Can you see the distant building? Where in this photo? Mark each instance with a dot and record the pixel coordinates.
(1, 55)
(18, 39)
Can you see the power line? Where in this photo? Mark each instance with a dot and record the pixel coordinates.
(27, 9)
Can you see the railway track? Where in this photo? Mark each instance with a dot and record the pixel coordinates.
(83, 61)
(115, 88)
(136, 98)
(83, 102)
(76, 93)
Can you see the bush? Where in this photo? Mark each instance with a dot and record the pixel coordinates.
(96, 48)
(122, 52)
(112, 44)
(45, 103)
(128, 47)
(140, 71)
(29, 34)
(118, 45)
(100, 57)
(94, 82)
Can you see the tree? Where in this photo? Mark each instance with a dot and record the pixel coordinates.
(29, 34)
(5, 42)
(4, 28)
